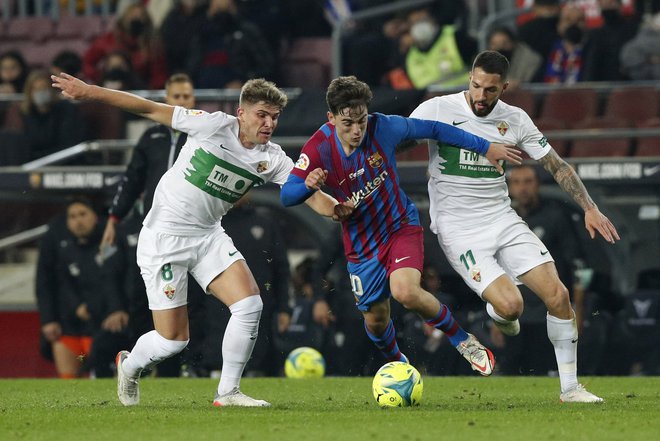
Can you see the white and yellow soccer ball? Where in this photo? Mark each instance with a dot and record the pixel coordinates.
(304, 362)
(397, 384)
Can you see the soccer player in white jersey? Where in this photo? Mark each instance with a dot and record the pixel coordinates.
(222, 159)
(466, 193)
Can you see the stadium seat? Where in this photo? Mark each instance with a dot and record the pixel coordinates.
(601, 147)
(85, 27)
(648, 146)
(561, 146)
(525, 99)
(571, 106)
(632, 104)
(306, 63)
(35, 29)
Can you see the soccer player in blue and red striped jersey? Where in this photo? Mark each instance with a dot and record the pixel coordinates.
(353, 156)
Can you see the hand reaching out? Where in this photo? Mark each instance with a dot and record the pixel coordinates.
(506, 152)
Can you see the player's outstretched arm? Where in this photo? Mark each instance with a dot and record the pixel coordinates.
(570, 182)
(77, 89)
(503, 152)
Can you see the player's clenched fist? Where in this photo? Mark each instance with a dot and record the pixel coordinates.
(343, 210)
(316, 178)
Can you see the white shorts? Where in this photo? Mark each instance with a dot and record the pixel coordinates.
(165, 261)
(481, 255)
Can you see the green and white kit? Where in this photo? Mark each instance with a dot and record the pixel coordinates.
(479, 232)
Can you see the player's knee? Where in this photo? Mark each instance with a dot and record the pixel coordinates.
(406, 295)
(558, 300)
(510, 308)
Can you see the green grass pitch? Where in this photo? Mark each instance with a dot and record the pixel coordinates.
(453, 408)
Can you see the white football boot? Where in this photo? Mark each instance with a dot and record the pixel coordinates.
(237, 398)
(579, 395)
(128, 389)
(480, 357)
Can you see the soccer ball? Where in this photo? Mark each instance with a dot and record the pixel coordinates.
(304, 362)
(397, 384)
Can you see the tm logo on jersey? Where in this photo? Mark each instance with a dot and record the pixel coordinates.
(370, 187)
(220, 178)
(472, 161)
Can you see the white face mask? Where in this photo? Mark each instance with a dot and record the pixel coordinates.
(41, 98)
(423, 32)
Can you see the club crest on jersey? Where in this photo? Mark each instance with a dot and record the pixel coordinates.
(503, 127)
(476, 275)
(169, 291)
(262, 166)
(303, 162)
(375, 160)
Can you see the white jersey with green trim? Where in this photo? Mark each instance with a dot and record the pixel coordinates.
(464, 187)
(212, 172)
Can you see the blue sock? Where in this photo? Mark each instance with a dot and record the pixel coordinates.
(445, 322)
(387, 344)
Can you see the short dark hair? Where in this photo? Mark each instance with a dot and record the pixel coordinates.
(492, 62)
(348, 92)
(256, 90)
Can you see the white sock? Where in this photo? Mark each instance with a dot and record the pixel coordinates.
(495, 316)
(563, 335)
(149, 350)
(238, 342)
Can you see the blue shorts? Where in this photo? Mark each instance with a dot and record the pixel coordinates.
(369, 279)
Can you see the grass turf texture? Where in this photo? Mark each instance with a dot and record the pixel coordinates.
(453, 408)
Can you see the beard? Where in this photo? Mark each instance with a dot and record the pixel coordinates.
(482, 112)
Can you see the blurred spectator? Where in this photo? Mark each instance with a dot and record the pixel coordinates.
(603, 45)
(640, 57)
(229, 50)
(564, 64)
(49, 123)
(305, 18)
(67, 62)
(530, 352)
(525, 65)
(79, 294)
(437, 53)
(540, 33)
(13, 72)
(117, 72)
(178, 31)
(132, 33)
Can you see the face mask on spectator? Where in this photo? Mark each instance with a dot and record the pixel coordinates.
(136, 27)
(41, 98)
(423, 32)
(573, 34)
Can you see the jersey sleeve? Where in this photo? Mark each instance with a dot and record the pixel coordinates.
(309, 158)
(198, 123)
(532, 140)
(283, 168)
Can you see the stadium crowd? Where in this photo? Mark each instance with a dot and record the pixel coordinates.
(220, 44)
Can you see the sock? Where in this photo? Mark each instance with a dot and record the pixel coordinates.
(444, 321)
(495, 316)
(149, 350)
(387, 344)
(238, 342)
(563, 335)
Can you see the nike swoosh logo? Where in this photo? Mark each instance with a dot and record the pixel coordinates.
(232, 253)
(397, 260)
(648, 171)
(544, 253)
(224, 148)
(574, 341)
(342, 181)
(454, 123)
